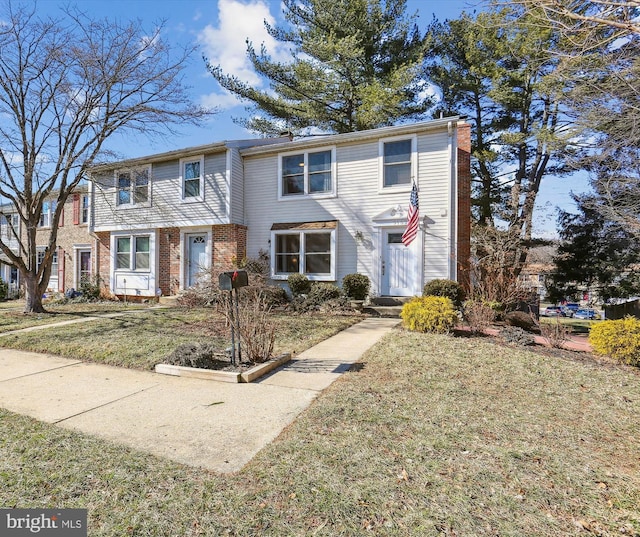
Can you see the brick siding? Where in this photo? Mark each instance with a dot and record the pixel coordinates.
(464, 204)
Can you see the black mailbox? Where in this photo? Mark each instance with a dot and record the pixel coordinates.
(233, 280)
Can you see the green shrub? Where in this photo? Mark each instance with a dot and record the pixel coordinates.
(90, 287)
(619, 339)
(299, 284)
(4, 289)
(429, 314)
(322, 292)
(356, 286)
(447, 288)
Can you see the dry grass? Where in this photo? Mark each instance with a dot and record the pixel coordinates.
(12, 316)
(431, 435)
(141, 339)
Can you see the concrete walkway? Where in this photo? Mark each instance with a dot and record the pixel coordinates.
(215, 425)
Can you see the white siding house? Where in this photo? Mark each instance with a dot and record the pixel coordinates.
(324, 206)
(344, 209)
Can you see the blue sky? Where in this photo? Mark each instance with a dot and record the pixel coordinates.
(220, 29)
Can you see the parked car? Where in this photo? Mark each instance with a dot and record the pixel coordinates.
(572, 306)
(568, 312)
(584, 313)
(553, 311)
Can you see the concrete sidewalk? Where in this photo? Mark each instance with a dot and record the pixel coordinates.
(215, 425)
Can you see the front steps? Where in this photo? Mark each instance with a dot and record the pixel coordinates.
(386, 306)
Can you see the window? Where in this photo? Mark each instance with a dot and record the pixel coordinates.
(133, 253)
(307, 173)
(10, 226)
(309, 251)
(84, 209)
(192, 178)
(397, 162)
(132, 187)
(46, 216)
(54, 262)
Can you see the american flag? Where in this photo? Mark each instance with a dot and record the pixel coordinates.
(412, 218)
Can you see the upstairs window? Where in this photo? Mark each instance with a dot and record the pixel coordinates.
(192, 173)
(46, 216)
(9, 226)
(84, 209)
(398, 157)
(132, 187)
(309, 173)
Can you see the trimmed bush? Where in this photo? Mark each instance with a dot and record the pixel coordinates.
(299, 284)
(323, 292)
(619, 339)
(4, 289)
(356, 286)
(429, 314)
(447, 288)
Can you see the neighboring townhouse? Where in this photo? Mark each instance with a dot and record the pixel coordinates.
(324, 206)
(73, 258)
(10, 231)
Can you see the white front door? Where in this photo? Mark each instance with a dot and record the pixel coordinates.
(196, 257)
(400, 268)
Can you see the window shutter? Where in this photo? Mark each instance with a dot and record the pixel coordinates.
(76, 209)
(61, 270)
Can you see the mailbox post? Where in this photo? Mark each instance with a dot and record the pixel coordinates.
(231, 281)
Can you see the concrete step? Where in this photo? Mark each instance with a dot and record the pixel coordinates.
(383, 311)
(389, 300)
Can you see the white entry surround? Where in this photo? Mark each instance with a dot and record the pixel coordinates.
(398, 268)
(187, 271)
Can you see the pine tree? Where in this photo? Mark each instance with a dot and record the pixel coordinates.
(356, 65)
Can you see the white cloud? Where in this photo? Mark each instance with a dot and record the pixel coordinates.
(221, 101)
(226, 46)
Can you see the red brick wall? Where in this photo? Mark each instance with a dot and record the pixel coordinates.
(103, 255)
(464, 203)
(229, 246)
(169, 260)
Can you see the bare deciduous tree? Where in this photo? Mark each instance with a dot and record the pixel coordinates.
(66, 86)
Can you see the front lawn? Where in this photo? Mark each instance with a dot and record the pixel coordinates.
(430, 435)
(12, 316)
(142, 339)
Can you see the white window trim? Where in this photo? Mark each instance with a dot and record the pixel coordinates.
(313, 277)
(46, 217)
(132, 254)
(184, 161)
(382, 189)
(132, 204)
(307, 194)
(84, 221)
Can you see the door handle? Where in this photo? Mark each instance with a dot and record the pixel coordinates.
(383, 267)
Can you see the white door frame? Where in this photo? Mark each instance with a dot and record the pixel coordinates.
(414, 249)
(77, 253)
(184, 249)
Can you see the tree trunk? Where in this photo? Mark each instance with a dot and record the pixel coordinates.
(33, 294)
